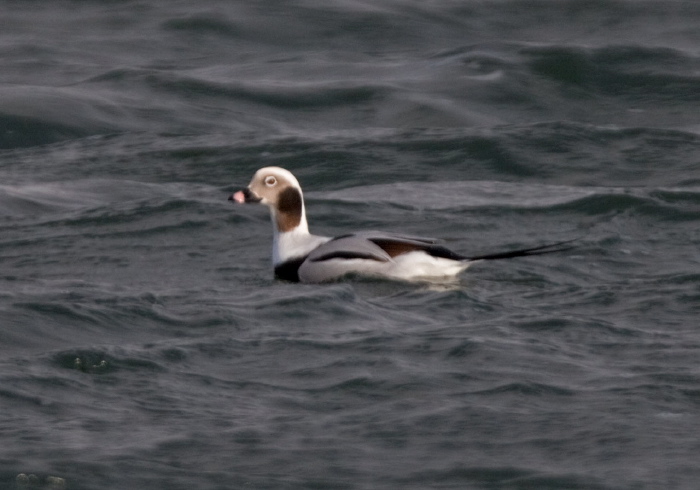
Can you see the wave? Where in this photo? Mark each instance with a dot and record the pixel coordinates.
(22, 131)
(84, 196)
(650, 75)
(525, 196)
(34, 115)
(203, 24)
(228, 84)
(478, 86)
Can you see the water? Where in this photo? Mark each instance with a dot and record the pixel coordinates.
(145, 344)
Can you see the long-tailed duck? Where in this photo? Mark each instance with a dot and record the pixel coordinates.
(299, 256)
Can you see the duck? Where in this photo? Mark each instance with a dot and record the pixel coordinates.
(300, 256)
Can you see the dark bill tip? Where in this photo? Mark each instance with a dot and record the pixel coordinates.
(244, 196)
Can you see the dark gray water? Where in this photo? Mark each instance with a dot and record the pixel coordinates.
(145, 344)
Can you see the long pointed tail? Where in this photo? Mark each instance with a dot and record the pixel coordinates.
(541, 250)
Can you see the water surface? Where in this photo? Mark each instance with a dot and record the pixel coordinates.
(145, 344)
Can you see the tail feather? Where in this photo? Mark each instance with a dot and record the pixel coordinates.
(541, 250)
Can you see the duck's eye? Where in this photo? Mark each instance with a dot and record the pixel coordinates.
(270, 181)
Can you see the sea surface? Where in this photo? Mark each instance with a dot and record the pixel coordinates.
(144, 343)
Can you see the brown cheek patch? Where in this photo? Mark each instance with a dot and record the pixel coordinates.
(289, 207)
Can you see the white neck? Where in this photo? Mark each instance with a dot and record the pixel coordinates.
(294, 243)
